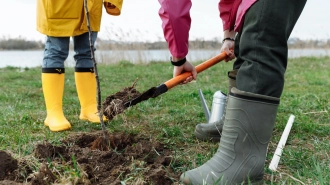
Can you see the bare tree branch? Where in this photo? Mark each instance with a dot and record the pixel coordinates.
(96, 74)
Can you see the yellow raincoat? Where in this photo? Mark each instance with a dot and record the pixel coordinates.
(63, 18)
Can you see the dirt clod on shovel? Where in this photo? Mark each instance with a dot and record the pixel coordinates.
(114, 104)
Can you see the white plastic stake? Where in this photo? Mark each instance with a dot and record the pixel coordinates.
(278, 152)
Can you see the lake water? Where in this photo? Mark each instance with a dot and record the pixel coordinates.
(34, 58)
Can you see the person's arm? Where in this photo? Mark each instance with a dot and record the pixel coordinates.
(176, 23)
(228, 10)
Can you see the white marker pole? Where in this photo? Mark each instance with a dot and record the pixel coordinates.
(278, 152)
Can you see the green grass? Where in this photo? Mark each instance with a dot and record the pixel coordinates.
(171, 117)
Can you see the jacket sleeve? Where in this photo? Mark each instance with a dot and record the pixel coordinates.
(228, 10)
(176, 23)
(113, 7)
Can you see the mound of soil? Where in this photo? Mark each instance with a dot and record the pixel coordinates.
(131, 159)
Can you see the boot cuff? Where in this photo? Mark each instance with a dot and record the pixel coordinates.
(83, 70)
(53, 70)
(255, 97)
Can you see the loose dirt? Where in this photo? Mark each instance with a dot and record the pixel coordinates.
(84, 159)
(114, 104)
(131, 159)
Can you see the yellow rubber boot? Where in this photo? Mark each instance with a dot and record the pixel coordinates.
(53, 87)
(86, 89)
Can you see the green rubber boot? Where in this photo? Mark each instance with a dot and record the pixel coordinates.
(241, 155)
(212, 131)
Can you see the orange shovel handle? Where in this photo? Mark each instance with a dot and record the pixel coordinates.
(199, 68)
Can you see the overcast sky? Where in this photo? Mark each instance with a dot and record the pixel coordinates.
(140, 21)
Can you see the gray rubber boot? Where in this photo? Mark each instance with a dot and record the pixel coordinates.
(241, 155)
(212, 131)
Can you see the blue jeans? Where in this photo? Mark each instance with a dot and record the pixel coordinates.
(57, 50)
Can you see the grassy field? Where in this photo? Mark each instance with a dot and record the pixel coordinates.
(171, 117)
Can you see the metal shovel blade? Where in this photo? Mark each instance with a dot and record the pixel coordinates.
(150, 93)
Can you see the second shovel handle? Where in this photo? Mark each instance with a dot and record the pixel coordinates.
(199, 68)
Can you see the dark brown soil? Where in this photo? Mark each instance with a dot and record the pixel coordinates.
(9, 165)
(130, 158)
(114, 104)
(86, 158)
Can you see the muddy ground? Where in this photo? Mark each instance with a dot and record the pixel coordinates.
(85, 158)
(131, 159)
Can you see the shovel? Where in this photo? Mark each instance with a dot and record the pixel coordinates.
(162, 88)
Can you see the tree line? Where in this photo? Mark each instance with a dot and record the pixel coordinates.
(20, 44)
(293, 43)
(103, 44)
